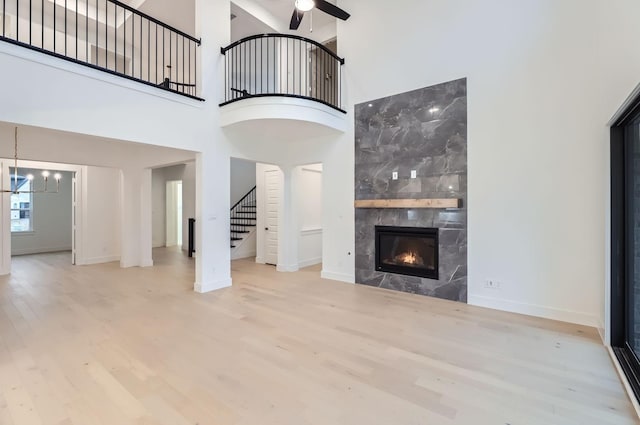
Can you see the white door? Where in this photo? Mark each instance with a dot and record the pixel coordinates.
(73, 220)
(272, 199)
(173, 222)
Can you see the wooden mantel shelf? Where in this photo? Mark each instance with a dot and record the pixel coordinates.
(409, 203)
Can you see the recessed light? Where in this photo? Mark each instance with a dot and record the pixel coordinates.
(370, 105)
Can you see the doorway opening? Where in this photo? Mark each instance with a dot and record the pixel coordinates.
(42, 222)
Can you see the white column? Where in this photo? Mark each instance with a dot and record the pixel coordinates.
(135, 211)
(288, 232)
(5, 205)
(213, 252)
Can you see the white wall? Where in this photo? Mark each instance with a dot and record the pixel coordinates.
(101, 215)
(48, 93)
(308, 194)
(243, 178)
(51, 217)
(540, 93)
(159, 179)
(543, 80)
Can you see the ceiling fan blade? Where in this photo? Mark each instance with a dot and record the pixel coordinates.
(296, 19)
(332, 10)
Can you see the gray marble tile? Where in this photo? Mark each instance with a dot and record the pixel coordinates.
(423, 130)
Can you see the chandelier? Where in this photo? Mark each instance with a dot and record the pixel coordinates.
(30, 177)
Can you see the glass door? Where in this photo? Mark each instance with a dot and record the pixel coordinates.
(625, 243)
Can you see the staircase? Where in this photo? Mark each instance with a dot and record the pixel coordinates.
(243, 218)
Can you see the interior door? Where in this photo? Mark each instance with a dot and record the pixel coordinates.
(272, 199)
(73, 219)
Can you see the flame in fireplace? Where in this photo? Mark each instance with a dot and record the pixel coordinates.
(410, 257)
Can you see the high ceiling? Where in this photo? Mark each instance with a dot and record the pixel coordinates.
(283, 9)
(252, 17)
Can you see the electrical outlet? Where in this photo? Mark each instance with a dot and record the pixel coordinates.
(414, 174)
(491, 284)
(394, 175)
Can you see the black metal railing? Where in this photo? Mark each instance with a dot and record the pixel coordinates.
(105, 35)
(243, 216)
(282, 65)
(192, 237)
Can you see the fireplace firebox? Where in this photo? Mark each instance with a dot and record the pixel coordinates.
(411, 251)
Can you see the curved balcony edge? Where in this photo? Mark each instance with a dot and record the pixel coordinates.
(282, 108)
(282, 65)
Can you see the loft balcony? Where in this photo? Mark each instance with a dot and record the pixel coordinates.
(282, 77)
(107, 35)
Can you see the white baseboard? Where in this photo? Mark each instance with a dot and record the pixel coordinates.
(310, 262)
(97, 260)
(205, 287)
(625, 381)
(29, 251)
(534, 310)
(602, 332)
(147, 263)
(260, 260)
(287, 268)
(342, 277)
(240, 255)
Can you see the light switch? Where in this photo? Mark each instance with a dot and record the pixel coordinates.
(414, 174)
(394, 175)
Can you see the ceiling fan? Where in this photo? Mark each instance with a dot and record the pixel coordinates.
(303, 6)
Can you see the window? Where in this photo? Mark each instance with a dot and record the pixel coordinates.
(22, 207)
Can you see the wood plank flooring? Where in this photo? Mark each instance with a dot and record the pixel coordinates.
(103, 345)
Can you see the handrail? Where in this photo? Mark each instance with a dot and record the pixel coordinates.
(282, 65)
(242, 199)
(106, 35)
(224, 50)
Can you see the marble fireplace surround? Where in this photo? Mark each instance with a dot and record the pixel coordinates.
(423, 130)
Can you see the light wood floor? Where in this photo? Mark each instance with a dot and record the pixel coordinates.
(102, 345)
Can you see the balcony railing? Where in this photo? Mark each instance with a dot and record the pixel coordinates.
(105, 35)
(282, 65)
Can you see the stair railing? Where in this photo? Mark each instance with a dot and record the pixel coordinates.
(243, 216)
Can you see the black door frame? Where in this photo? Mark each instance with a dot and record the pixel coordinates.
(620, 244)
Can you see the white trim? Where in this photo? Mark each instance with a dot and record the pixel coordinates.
(203, 288)
(287, 268)
(625, 381)
(98, 260)
(602, 332)
(24, 233)
(282, 108)
(309, 262)
(341, 277)
(311, 231)
(146, 263)
(29, 251)
(85, 71)
(625, 105)
(534, 310)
